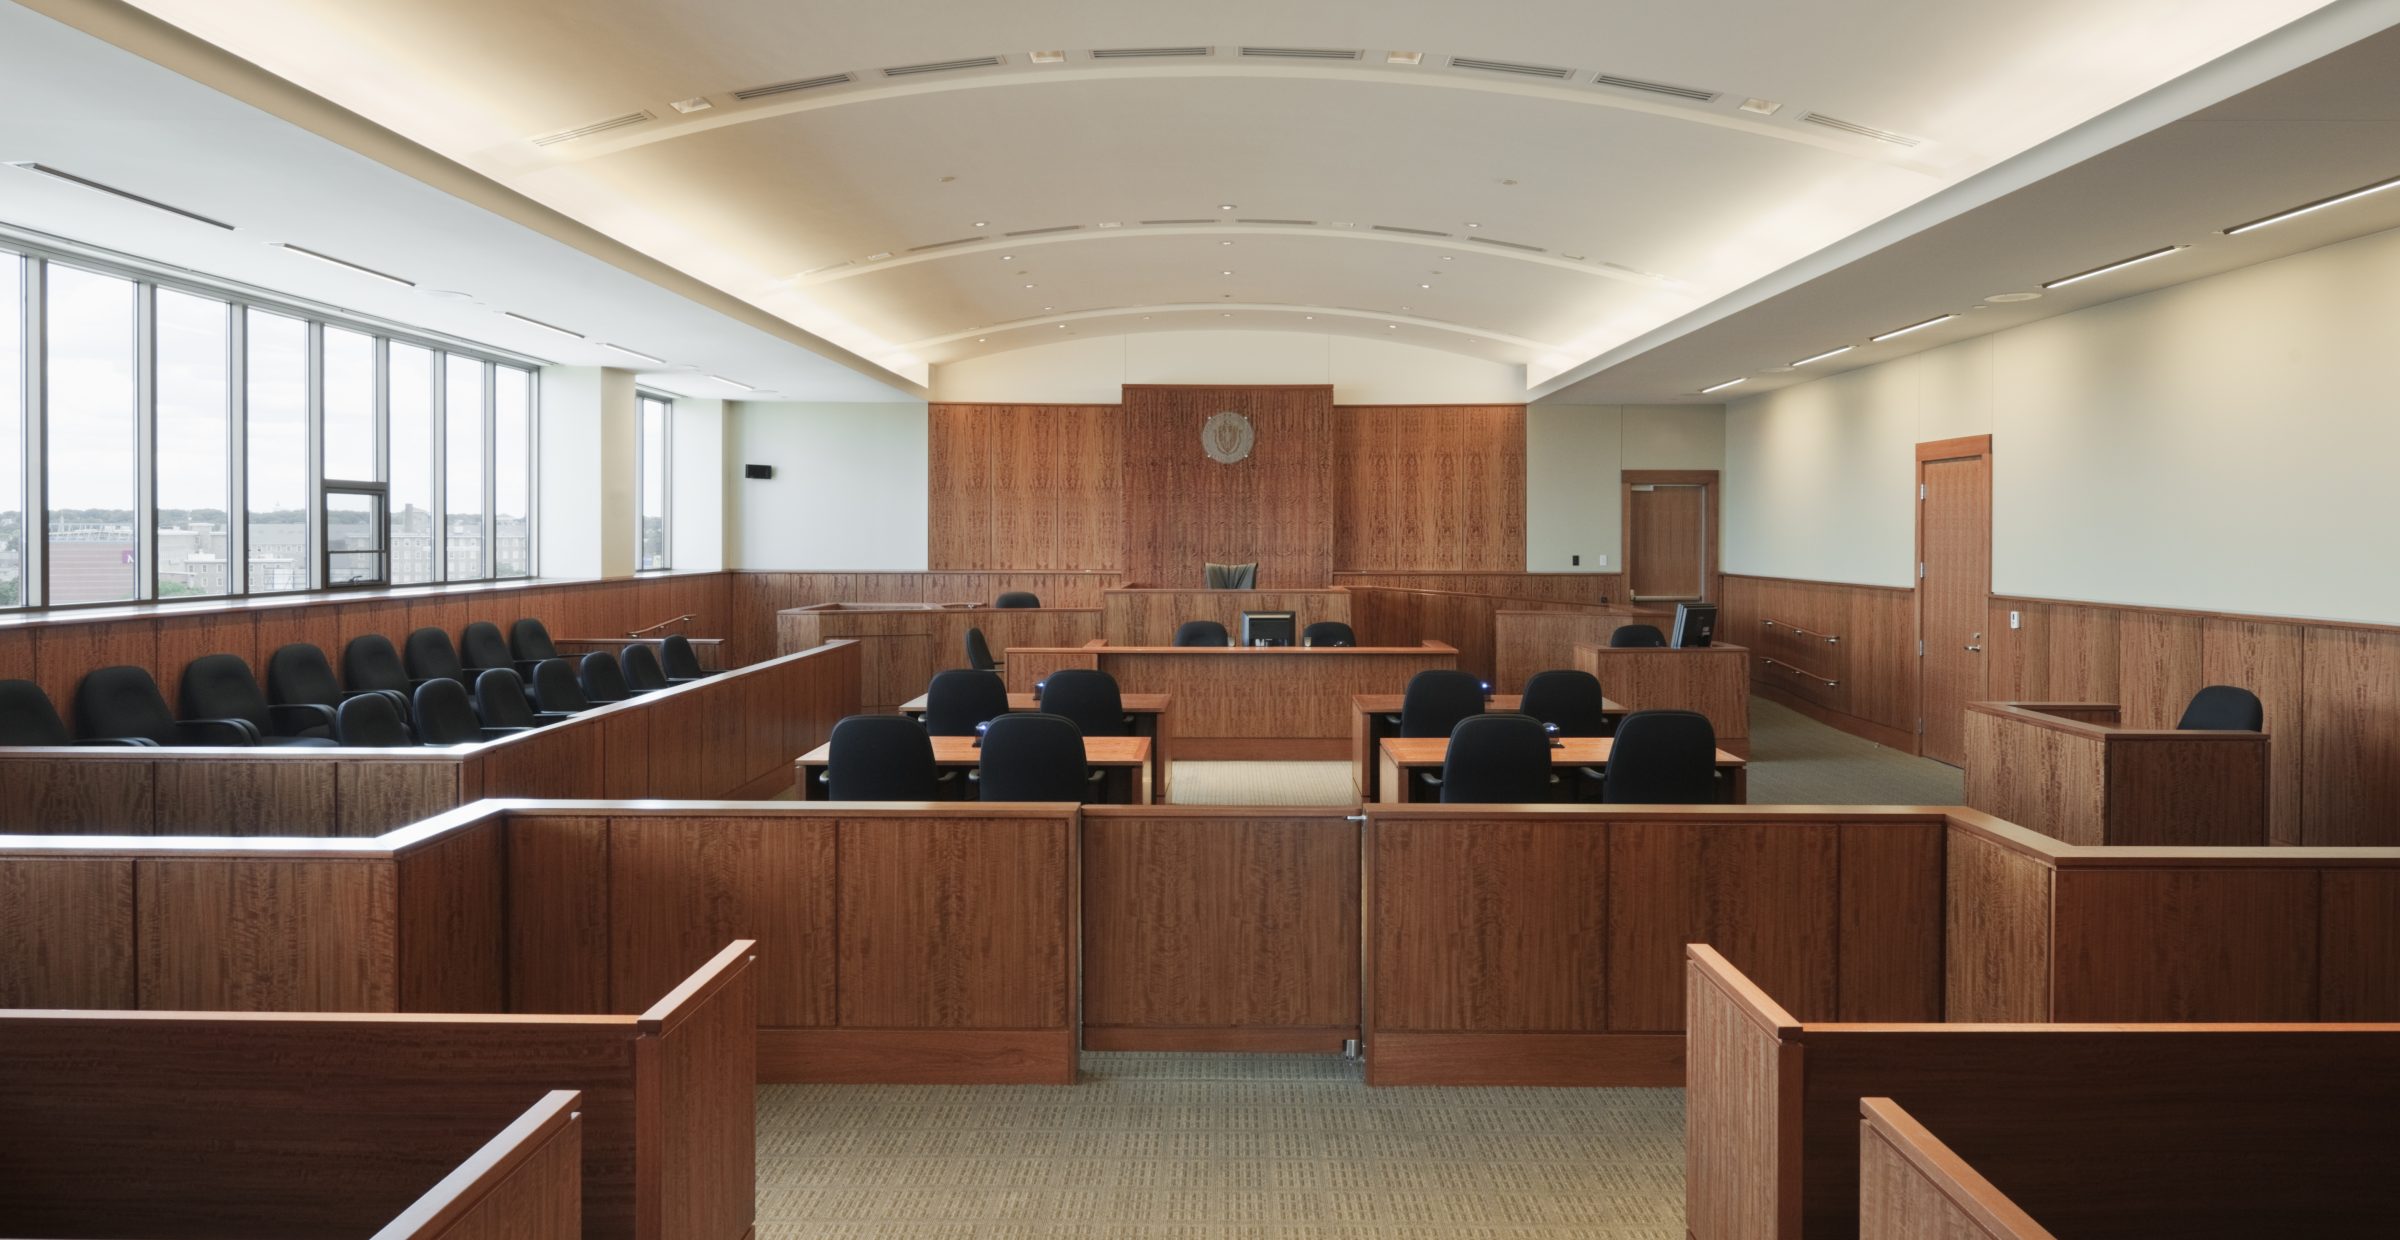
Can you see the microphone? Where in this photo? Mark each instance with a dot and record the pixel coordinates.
(663, 623)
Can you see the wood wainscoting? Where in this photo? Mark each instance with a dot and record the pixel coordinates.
(1841, 654)
(1429, 487)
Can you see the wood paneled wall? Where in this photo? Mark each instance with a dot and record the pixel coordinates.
(1184, 510)
(1429, 487)
(1025, 487)
(1802, 634)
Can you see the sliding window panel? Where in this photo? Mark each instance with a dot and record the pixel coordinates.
(463, 477)
(415, 528)
(276, 457)
(12, 430)
(195, 445)
(512, 472)
(89, 369)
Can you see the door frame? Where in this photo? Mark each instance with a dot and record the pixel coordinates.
(1963, 447)
(1711, 574)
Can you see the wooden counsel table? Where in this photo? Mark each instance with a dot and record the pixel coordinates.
(2066, 770)
(1370, 722)
(1403, 757)
(1713, 680)
(1124, 760)
(1150, 721)
(1239, 703)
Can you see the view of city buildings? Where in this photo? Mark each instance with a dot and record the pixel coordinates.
(92, 556)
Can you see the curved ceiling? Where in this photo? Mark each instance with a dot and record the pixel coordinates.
(1537, 183)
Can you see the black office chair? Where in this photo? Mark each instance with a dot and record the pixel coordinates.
(369, 664)
(1088, 697)
(430, 655)
(500, 699)
(681, 663)
(481, 648)
(556, 690)
(116, 703)
(1435, 701)
(444, 716)
(1202, 633)
(604, 678)
(1328, 633)
(1233, 576)
(28, 718)
(529, 640)
(960, 698)
(1637, 637)
(879, 758)
(1028, 757)
(1569, 698)
(2223, 708)
(979, 652)
(221, 686)
(370, 721)
(1497, 759)
(1017, 598)
(642, 672)
(298, 675)
(1660, 757)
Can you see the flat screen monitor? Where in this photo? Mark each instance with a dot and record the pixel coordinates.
(1270, 628)
(1695, 623)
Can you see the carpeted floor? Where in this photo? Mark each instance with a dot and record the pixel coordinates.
(1259, 1147)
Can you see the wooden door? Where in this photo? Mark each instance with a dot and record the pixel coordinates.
(1667, 541)
(1954, 586)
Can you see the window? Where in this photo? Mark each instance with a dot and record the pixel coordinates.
(650, 543)
(197, 441)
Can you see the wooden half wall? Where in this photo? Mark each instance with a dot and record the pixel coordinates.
(1841, 654)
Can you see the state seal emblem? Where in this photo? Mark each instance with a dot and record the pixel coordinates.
(1228, 437)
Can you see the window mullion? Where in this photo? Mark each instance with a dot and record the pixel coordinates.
(145, 441)
(35, 524)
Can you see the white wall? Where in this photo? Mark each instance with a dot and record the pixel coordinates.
(588, 440)
(849, 491)
(2223, 445)
(697, 520)
(1574, 455)
(1362, 371)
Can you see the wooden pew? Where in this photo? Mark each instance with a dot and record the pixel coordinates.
(2066, 769)
(2245, 1130)
(1713, 680)
(731, 735)
(362, 1110)
(1911, 1186)
(902, 646)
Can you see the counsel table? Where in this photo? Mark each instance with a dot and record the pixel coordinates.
(1370, 723)
(1150, 721)
(1403, 757)
(1124, 761)
(1712, 680)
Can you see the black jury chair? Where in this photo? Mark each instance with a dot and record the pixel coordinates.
(1497, 759)
(1202, 633)
(1328, 633)
(298, 675)
(604, 678)
(1660, 757)
(1637, 637)
(960, 698)
(2223, 708)
(370, 664)
(500, 699)
(642, 672)
(221, 686)
(879, 758)
(28, 718)
(529, 640)
(481, 648)
(1017, 598)
(1435, 701)
(1569, 698)
(430, 656)
(370, 721)
(979, 652)
(115, 703)
(556, 690)
(444, 716)
(1029, 757)
(682, 665)
(1088, 697)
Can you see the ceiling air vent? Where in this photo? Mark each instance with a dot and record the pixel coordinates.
(1148, 53)
(786, 88)
(1509, 245)
(943, 245)
(1286, 223)
(1413, 232)
(1864, 131)
(596, 127)
(1303, 53)
(1504, 66)
(945, 66)
(1171, 223)
(1043, 232)
(1693, 93)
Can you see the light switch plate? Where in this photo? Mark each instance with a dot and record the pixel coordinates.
(2014, 622)
(1601, 561)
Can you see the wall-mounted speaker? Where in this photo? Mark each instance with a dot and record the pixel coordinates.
(758, 471)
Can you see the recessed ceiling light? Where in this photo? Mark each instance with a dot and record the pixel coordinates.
(1719, 387)
(1062, 327)
(697, 103)
(2119, 265)
(1391, 327)
(1029, 286)
(1008, 258)
(1763, 107)
(1472, 224)
(71, 179)
(548, 327)
(1224, 243)
(1913, 327)
(879, 256)
(733, 383)
(2319, 205)
(1226, 315)
(2006, 298)
(1049, 307)
(1408, 307)
(1310, 317)
(979, 224)
(982, 339)
(1224, 273)
(633, 353)
(1424, 286)
(1046, 58)
(1818, 357)
(1110, 224)
(1448, 257)
(1403, 58)
(1225, 206)
(343, 263)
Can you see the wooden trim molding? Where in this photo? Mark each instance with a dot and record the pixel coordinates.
(1954, 449)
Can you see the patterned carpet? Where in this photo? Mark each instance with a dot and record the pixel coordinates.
(1180, 1147)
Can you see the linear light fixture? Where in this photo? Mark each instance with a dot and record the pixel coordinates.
(2319, 205)
(1913, 327)
(1719, 387)
(342, 263)
(72, 179)
(1826, 354)
(731, 383)
(635, 354)
(2119, 265)
(548, 327)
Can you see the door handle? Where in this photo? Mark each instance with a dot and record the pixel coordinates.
(1976, 649)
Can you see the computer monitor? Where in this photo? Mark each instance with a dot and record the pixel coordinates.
(1695, 623)
(1270, 628)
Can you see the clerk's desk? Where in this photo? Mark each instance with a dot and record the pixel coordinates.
(1152, 720)
(1370, 723)
(2066, 770)
(1712, 680)
(1402, 757)
(1246, 702)
(1124, 761)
